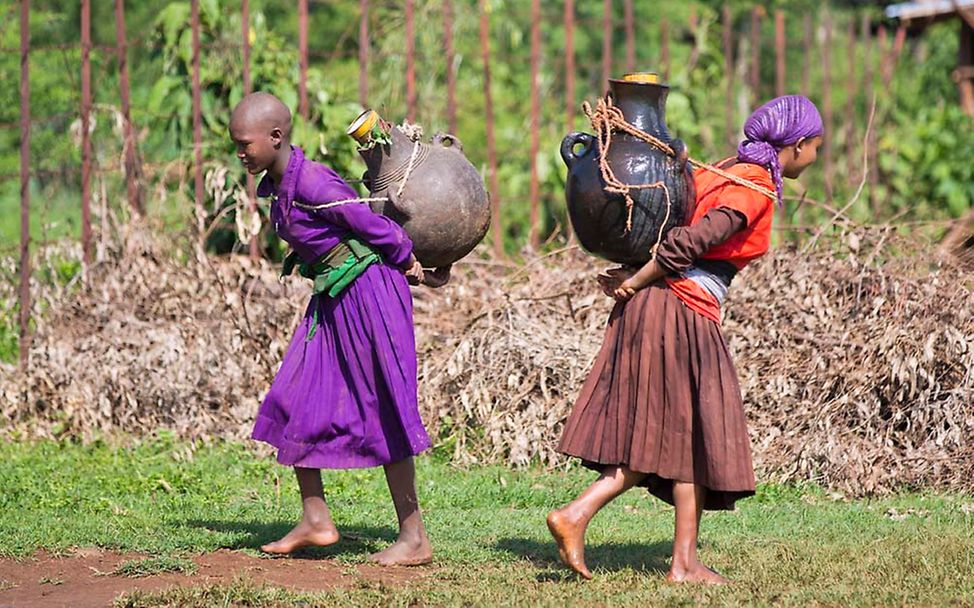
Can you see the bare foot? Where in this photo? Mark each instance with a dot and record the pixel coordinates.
(304, 534)
(696, 573)
(570, 538)
(405, 553)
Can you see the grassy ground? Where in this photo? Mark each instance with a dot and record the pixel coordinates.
(786, 546)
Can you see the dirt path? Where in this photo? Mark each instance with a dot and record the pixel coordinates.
(83, 579)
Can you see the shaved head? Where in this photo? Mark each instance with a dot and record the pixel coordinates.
(261, 111)
(260, 126)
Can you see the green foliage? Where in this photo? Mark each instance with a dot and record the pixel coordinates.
(60, 270)
(9, 336)
(925, 154)
(928, 162)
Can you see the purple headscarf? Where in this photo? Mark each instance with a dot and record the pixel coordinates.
(778, 123)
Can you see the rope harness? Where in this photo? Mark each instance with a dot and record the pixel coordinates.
(402, 173)
(606, 113)
(605, 119)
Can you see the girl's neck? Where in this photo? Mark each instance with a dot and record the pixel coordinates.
(276, 171)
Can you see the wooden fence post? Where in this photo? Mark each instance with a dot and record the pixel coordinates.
(867, 65)
(882, 44)
(664, 51)
(893, 54)
(606, 46)
(827, 103)
(253, 246)
(534, 230)
(756, 55)
(898, 42)
(693, 22)
(363, 53)
(728, 43)
(779, 52)
(303, 59)
(630, 36)
(570, 83)
(570, 65)
(86, 131)
(869, 86)
(451, 74)
(133, 168)
(852, 158)
(495, 217)
(410, 63)
(807, 55)
(965, 68)
(197, 127)
(25, 336)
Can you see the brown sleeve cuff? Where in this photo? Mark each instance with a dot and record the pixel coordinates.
(682, 246)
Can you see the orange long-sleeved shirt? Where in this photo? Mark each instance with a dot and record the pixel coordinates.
(740, 249)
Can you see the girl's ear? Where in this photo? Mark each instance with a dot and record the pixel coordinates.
(798, 146)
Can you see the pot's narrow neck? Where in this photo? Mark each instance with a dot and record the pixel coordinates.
(393, 154)
(373, 158)
(643, 105)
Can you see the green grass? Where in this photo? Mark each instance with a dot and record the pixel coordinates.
(786, 546)
(154, 565)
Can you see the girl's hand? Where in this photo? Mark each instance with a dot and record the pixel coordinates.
(415, 274)
(623, 282)
(413, 271)
(613, 278)
(626, 290)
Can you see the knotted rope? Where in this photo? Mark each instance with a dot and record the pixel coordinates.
(605, 119)
(404, 173)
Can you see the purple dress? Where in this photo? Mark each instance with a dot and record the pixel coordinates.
(347, 397)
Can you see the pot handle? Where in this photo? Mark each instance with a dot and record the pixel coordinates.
(568, 146)
(680, 152)
(447, 140)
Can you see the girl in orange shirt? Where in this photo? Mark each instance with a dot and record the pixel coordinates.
(662, 406)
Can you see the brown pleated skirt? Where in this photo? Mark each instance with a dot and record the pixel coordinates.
(663, 399)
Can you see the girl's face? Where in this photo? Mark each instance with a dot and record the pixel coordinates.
(798, 156)
(257, 147)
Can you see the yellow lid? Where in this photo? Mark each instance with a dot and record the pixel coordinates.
(361, 127)
(642, 77)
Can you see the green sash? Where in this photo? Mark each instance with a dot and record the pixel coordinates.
(333, 272)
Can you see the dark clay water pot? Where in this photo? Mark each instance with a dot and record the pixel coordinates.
(444, 205)
(599, 217)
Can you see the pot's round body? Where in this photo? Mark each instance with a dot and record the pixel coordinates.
(599, 217)
(443, 207)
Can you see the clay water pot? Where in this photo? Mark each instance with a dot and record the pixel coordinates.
(443, 205)
(599, 217)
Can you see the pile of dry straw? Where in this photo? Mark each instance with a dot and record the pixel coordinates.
(857, 367)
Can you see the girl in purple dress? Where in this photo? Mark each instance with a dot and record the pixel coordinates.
(345, 395)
